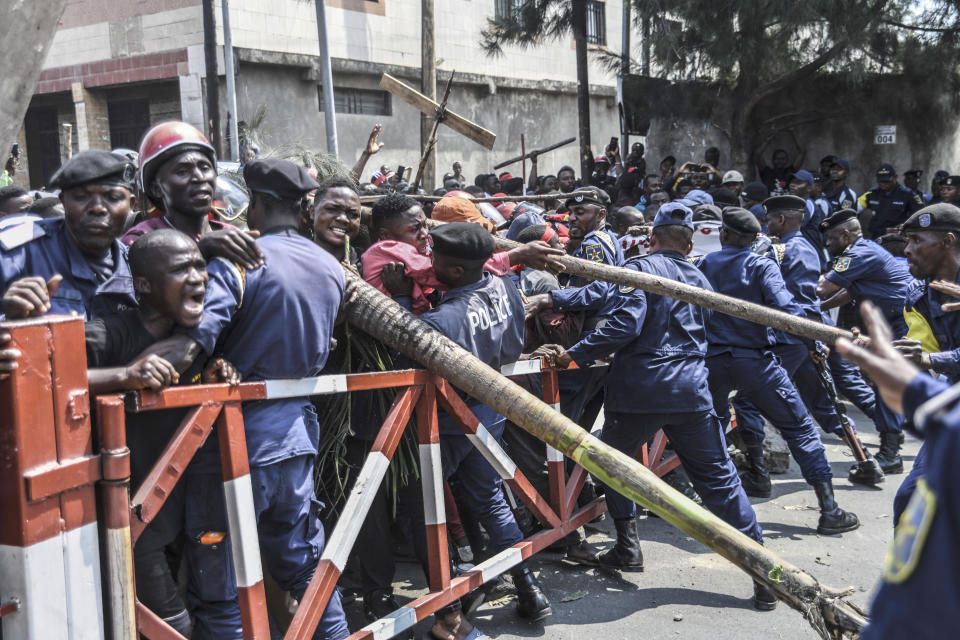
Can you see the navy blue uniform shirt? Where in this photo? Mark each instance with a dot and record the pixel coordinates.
(486, 318)
(890, 209)
(659, 343)
(869, 272)
(921, 585)
(274, 322)
(800, 267)
(598, 246)
(44, 248)
(741, 273)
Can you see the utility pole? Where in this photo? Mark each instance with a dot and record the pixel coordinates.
(428, 87)
(583, 86)
(213, 80)
(233, 129)
(326, 77)
(624, 72)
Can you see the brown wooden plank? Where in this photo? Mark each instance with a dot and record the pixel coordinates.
(425, 105)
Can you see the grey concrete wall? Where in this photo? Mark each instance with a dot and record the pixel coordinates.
(293, 117)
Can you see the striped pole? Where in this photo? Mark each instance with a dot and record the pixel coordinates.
(50, 582)
(242, 523)
(337, 550)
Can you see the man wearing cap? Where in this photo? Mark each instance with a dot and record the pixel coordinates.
(840, 195)
(270, 326)
(663, 338)
(950, 190)
(178, 174)
(484, 315)
(863, 270)
(890, 202)
(802, 185)
(733, 180)
(801, 270)
(911, 180)
(79, 252)
(933, 339)
(739, 358)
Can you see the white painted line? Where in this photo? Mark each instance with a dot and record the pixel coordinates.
(242, 521)
(555, 406)
(498, 564)
(493, 452)
(393, 623)
(81, 565)
(306, 387)
(553, 455)
(522, 367)
(431, 475)
(355, 511)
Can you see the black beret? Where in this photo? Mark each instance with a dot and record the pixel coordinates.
(740, 220)
(891, 238)
(837, 218)
(724, 196)
(756, 191)
(936, 217)
(785, 203)
(464, 240)
(95, 166)
(281, 179)
(951, 181)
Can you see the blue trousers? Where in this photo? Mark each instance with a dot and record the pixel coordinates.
(851, 385)
(795, 359)
(909, 484)
(698, 441)
(759, 375)
(291, 541)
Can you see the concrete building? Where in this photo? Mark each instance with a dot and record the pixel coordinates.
(115, 69)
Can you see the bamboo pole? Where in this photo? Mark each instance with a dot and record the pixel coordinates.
(381, 317)
(530, 198)
(735, 307)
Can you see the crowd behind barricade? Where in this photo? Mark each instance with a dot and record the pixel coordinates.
(183, 276)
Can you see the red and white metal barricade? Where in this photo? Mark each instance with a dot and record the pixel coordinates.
(51, 491)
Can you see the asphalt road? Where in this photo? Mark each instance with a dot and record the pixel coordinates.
(687, 591)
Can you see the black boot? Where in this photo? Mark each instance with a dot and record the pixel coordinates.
(833, 519)
(867, 472)
(889, 455)
(625, 554)
(763, 598)
(756, 480)
(532, 604)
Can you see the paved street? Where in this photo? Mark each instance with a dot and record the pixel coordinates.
(689, 592)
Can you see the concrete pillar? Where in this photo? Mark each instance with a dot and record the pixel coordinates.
(93, 124)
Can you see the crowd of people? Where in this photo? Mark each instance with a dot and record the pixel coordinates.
(172, 293)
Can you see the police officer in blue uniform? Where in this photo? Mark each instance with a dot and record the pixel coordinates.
(739, 358)
(891, 202)
(863, 270)
(484, 315)
(921, 586)
(80, 251)
(658, 380)
(932, 342)
(272, 322)
(800, 267)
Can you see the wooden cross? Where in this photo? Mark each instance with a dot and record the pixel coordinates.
(427, 106)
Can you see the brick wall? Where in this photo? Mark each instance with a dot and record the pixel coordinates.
(152, 66)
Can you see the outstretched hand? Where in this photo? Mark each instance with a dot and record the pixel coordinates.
(29, 297)
(236, 245)
(220, 370)
(372, 145)
(880, 360)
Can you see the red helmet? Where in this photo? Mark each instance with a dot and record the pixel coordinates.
(163, 141)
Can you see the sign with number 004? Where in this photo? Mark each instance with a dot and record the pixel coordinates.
(885, 134)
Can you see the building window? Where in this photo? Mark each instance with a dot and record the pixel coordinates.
(508, 9)
(129, 120)
(596, 23)
(365, 102)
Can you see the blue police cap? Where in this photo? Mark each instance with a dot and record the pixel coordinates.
(740, 220)
(95, 166)
(843, 163)
(886, 172)
(699, 196)
(464, 240)
(281, 179)
(674, 213)
(803, 176)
